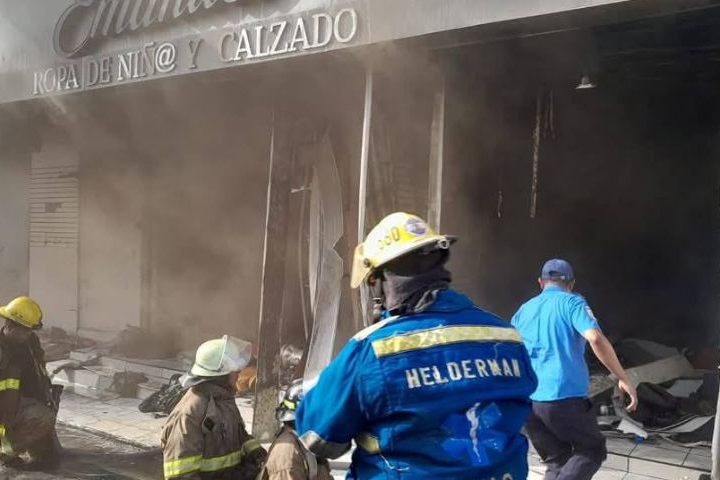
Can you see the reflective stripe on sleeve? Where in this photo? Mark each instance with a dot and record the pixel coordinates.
(443, 336)
(323, 448)
(368, 442)
(221, 463)
(182, 466)
(2, 430)
(250, 446)
(10, 384)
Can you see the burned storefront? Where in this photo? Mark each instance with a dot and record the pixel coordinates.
(174, 170)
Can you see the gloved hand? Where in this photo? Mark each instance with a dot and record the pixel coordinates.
(246, 380)
(6, 447)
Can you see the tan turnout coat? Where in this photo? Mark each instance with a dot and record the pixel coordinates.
(205, 438)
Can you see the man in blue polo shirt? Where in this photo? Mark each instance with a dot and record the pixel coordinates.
(555, 327)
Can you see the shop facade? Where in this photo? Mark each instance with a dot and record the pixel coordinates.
(195, 168)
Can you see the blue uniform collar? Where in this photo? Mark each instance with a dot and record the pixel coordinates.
(447, 301)
(450, 301)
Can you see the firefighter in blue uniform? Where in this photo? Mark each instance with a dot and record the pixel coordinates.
(436, 388)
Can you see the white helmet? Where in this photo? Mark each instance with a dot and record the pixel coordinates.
(221, 356)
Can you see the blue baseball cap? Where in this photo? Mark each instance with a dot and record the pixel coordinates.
(557, 269)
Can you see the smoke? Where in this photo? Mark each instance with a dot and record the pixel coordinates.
(615, 194)
(174, 182)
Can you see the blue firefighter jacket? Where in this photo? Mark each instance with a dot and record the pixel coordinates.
(439, 394)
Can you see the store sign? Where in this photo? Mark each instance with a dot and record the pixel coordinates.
(102, 18)
(284, 36)
(214, 49)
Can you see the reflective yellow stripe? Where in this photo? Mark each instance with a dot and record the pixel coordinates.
(181, 466)
(221, 463)
(6, 446)
(443, 336)
(289, 404)
(368, 442)
(249, 446)
(10, 384)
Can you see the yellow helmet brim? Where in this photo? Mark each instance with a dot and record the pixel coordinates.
(4, 313)
(362, 267)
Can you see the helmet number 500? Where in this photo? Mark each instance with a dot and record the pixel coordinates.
(391, 237)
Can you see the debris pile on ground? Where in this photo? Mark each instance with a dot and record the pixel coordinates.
(677, 400)
(58, 344)
(164, 400)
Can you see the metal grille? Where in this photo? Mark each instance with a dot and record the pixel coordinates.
(54, 206)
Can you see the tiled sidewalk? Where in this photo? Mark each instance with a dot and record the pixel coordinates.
(628, 461)
(119, 418)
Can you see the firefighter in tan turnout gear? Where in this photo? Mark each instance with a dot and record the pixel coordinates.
(205, 436)
(288, 458)
(27, 406)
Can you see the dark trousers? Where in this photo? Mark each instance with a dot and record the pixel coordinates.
(567, 438)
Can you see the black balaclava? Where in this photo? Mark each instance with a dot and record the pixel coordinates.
(410, 284)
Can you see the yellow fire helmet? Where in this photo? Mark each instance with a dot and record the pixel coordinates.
(397, 234)
(24, 311)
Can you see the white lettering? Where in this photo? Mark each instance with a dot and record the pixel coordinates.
(278, 37)
(494, 368)
(102, 18)
(516, 367)
(194, 46)
(413, 379)
(147, 62)
(194, 5)
(507, 371)
(221, 46)
(125, 66)
(318, 21)
(37, 81)
(467, 373)
(122, 22)
(105, 64)
(134, 19)
(260, 52)
(338, 25)
(61, 76)
(243, 46)
(92, 75)
(427, 380)
(454, 371)
(439, 379)
(480, 366)
(179, 9)
(300, 35)
(49, 80)
(507, 476)
(163, 11)
(72, 81)
(463, 370)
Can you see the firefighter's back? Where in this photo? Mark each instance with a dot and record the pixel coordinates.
(441, 394)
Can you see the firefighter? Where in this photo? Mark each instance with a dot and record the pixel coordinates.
(27, 406)
(205, 436)
(288, 458)
(436, 388)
